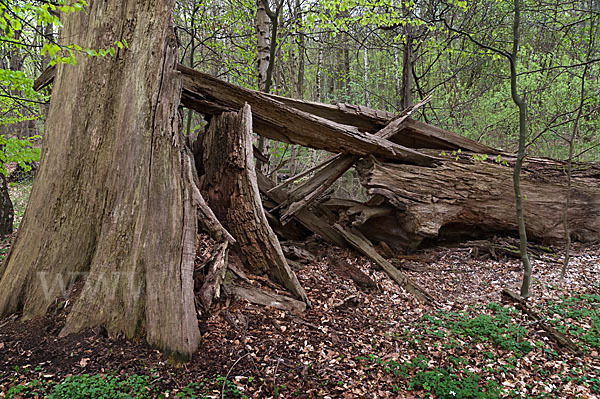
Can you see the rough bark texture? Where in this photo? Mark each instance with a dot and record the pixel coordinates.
(232, 192)
(477, 197)
(112, 201)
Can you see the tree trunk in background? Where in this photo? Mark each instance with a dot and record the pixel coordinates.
(407, 78)
(232, 193)
(301, 49)
(113, 201)
(366, 77)
(6, 208)
(263, 49)
(523, 132)
(319, 80)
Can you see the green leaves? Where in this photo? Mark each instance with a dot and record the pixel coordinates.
(21, 151)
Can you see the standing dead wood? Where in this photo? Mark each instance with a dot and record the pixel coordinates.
(233, 195)
(561, 338)
(365, 247)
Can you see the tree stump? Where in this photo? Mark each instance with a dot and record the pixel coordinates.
(232, 193)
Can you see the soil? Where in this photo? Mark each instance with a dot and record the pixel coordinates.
(334, 349)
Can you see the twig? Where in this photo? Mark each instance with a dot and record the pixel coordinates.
(229, 372)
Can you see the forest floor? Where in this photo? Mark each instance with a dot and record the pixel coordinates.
(352, 343)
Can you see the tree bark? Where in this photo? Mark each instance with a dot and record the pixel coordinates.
(232, 192)
(112, 201)
(464, 197)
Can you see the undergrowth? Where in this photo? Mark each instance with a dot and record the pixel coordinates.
(500, 338)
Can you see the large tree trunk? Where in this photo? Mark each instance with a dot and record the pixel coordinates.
(112, 201)
(466, 197)
(232, 192)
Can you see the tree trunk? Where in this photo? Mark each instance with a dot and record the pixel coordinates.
(113, 201)
(232, 193)
(6, 209)
(460, 199)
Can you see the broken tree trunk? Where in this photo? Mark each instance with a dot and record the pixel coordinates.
(315, 187)
(466, 197)
(338, 127)
(275, 120)
(232, 193)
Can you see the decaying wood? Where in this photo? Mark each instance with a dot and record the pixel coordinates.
(259, 297)
(505, 246)
(314, 188)
(561, 338)
(292, 179)
(209, 95)
(275, 120)
(416, 134)
(365, 247)
(362, 213)
(233, 195)
(206, 218)
(344, 269)
(217, 266)
(292, 251)
(306, 218)
(467, 199)
(46, 78)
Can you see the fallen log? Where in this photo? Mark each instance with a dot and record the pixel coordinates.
(314, 188)
(468, 199)
(559, 337)
(221, 96)
(365, 247)
(232, 193)
(275, 120)
(264, 298)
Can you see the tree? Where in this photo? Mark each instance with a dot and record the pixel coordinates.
(112, 201)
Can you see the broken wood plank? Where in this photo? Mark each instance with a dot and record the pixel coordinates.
(259, 297)
(233, 194)
(366, 248)
(559, 337)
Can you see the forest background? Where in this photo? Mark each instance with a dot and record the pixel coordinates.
(384, 54)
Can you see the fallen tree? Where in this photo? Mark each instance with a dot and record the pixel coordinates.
(467, 198)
